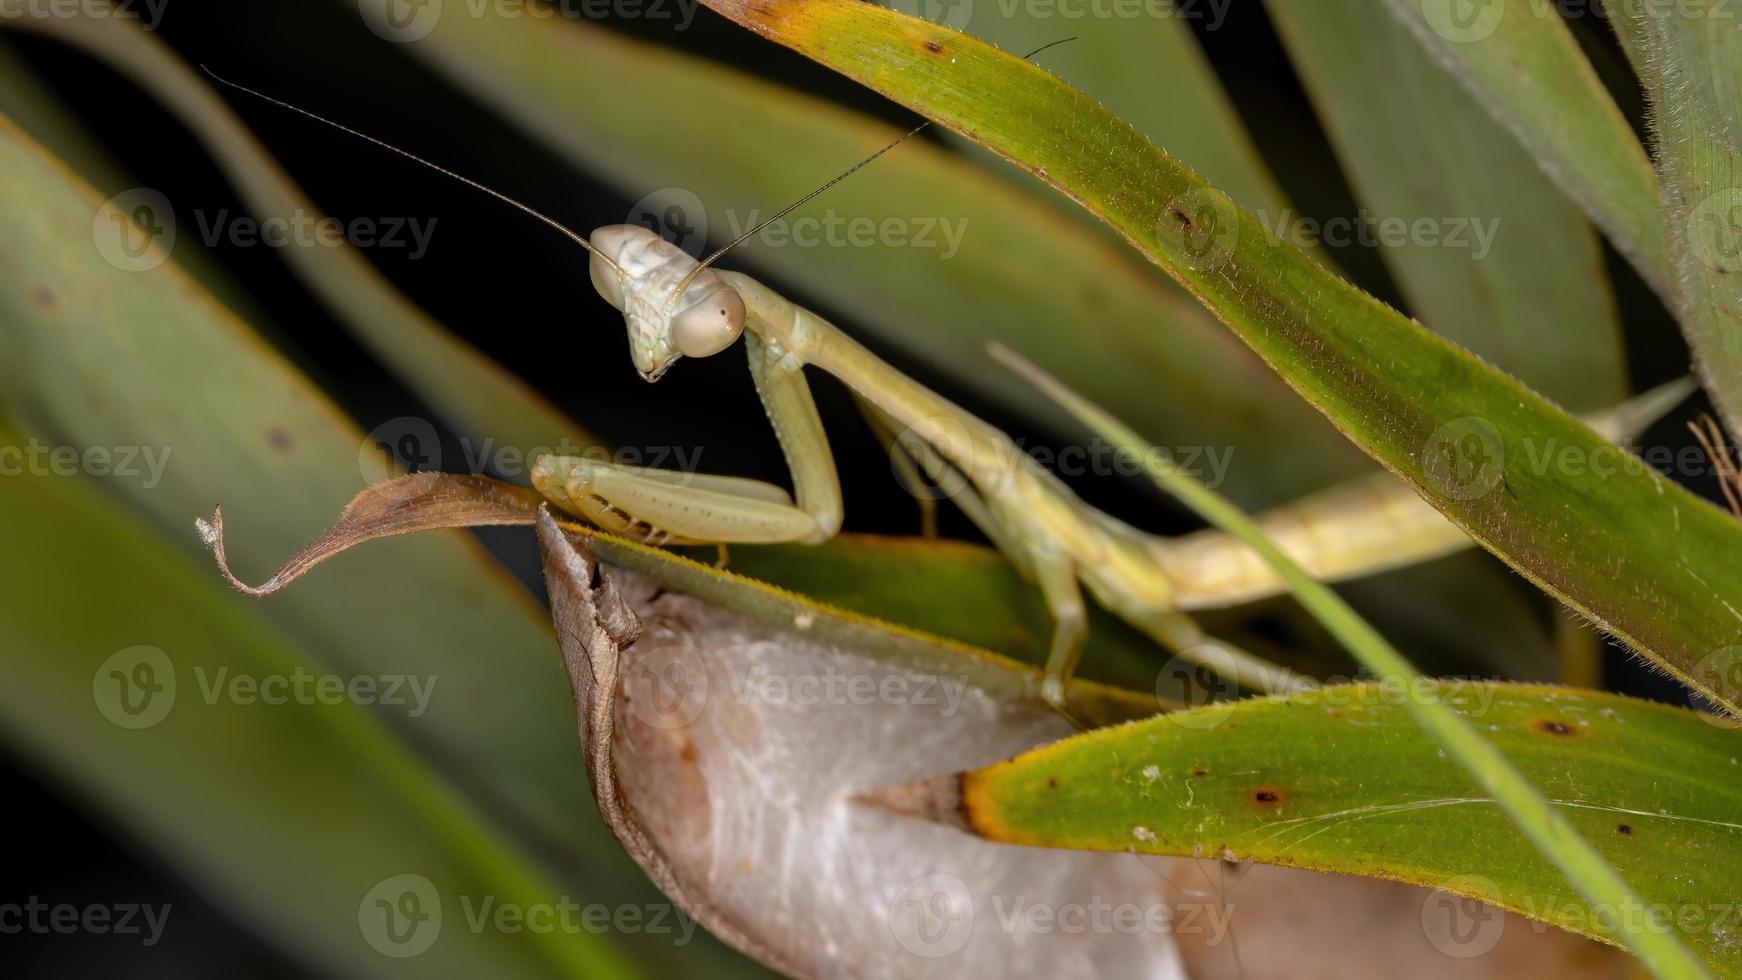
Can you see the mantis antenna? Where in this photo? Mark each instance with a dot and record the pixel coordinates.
(579, 239)
(843, 175)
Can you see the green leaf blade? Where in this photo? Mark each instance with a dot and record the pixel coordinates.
(1686, 56)
(1623, 549)
(1524, 64)
(291, 814)
(1344, 780)
(1508, 266)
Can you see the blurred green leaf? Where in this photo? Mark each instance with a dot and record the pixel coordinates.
(1145, 66)
(1631, 551)
(475, 393)
(1343, 779)
(1512, 270)
(142, 363)
(1023, 274)
(1686, 56)
(293, 816)
(1520, 60)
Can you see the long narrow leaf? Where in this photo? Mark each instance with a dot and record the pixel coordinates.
(1686, 55)
(1344, 780)
(133, 677)
(1523, 63)
(1584, 868)
(1487, 250)
(1630, 550)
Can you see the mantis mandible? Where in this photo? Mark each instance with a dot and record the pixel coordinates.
(675, 306)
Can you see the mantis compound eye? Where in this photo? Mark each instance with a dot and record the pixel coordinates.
(709, 325)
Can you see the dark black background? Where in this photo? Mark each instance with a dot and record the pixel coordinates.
(520, 293)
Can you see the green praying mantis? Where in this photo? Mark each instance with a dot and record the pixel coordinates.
(676, 306)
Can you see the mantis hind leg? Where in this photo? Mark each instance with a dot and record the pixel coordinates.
(1182, 635)
(908, 468)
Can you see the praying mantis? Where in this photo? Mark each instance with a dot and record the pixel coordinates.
(676, 306)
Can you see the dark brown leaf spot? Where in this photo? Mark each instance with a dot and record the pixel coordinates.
(1267, 796)
(1553, 726)
(1052, 783)
(1625, 830)
(934, 47)
(43, 296)
(1185, 220)
(1200, 772)
(279, 439)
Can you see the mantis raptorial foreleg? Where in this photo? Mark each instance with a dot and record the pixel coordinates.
(675, 507)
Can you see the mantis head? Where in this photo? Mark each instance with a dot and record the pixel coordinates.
(672, 308)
